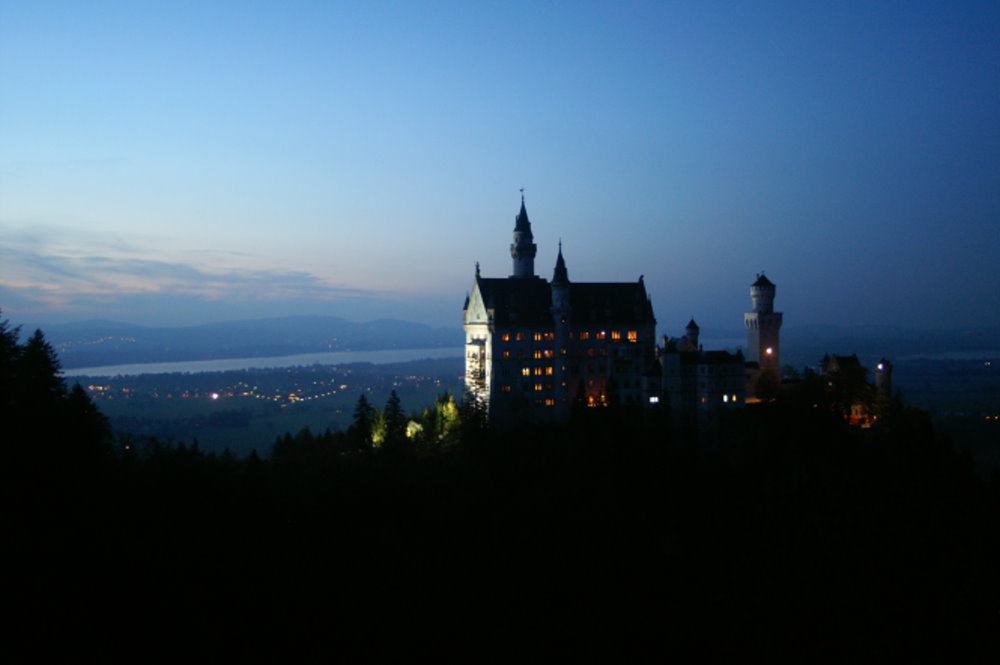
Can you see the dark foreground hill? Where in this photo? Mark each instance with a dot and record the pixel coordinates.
(600, 540)
(794, 537)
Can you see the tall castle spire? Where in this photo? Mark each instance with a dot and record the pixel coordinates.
(560, 276)
(523, 249)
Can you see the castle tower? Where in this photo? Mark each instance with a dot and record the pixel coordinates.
(561, 316)
(692, 331)
(763, 326)
(523, 249)
(883, 377)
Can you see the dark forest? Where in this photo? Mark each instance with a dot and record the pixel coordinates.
(782, 534)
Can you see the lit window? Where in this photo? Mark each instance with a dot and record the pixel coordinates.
(654, 399)
(538, 371)
(725, 398)
(601, 335)
(525, 371)
(548, 353)
(505, 337)
(538, 387)
(616, 335)
(585, 335)
(550, 336)
(520, 337)
(550, 402)
(633, 336)
(506, 354)
(538, 353)
(505, 389)
(563, 350)
(538, 337)
(548, 371)
(769, 351)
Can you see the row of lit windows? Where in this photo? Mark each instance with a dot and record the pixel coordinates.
(537, 353)
(616, 336)
(538, 371)
(520, 337)
(538, 387)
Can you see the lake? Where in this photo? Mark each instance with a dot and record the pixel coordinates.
(227, 364)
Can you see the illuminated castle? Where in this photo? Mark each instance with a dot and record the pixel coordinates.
(534, 348)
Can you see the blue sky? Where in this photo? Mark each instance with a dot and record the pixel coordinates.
(176, 163)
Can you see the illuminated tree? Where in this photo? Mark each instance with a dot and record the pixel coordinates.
(447, 418)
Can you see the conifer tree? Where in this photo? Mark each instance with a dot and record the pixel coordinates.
(9, 351)
(395, 421)
(364, 419)
(37, 372)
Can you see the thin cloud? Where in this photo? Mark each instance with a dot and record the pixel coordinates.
(45, 268)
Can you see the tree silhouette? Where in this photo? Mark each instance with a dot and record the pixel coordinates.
(395, 422)
(364, 418)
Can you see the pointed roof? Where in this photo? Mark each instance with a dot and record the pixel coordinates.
(692, 325)
(521, 222)
(561, 276)
(763, 281)
(528, 302)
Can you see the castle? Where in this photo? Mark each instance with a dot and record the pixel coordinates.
(534, 348)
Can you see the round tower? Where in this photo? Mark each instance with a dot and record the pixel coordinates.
(763, 326)
(691, 332)
(523, 249)
(762, 294)
(883, 377)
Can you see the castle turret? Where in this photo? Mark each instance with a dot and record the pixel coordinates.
(560, 285)
(763, 326)
(561, 315)
(523, 249)
(883, 377)
(692, 331)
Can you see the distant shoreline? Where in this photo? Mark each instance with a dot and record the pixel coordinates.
(379, 357)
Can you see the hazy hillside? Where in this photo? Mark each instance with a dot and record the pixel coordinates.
(94, 343)
(805, 345)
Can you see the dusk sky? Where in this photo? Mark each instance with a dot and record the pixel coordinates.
(177, 163)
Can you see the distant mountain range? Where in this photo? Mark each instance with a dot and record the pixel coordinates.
(102, 342)
(805, 345)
